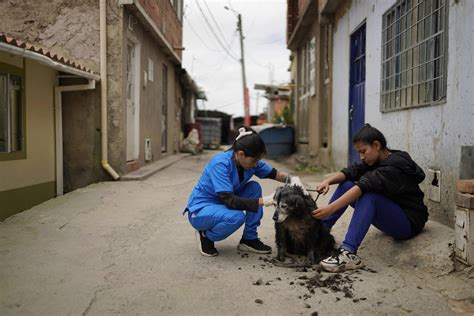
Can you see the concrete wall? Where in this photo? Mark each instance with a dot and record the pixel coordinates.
(151, 95)
(69, 28)
(81, 139)
(432, 135)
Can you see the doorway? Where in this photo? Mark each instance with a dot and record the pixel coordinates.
(356, 88)
(132, 83)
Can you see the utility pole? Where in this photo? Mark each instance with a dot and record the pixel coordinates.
(244, 79)
(242, 62)
(258, 99)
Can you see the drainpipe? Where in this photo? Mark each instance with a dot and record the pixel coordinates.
(103, 90)
(59, 128)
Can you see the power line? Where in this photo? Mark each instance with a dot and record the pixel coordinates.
(214, 33)
(217, 25)
(228, 104)
(197, 34)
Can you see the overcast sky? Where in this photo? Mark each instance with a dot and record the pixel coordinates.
(266, 56)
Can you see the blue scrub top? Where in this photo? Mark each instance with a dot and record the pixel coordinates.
(221, 175)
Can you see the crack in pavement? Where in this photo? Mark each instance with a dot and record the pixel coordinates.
(93, 300)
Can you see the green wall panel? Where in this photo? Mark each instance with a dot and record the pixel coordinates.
(17, 200)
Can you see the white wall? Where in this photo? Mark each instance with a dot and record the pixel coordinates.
(432, 135)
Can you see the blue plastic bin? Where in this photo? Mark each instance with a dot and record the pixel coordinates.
(279, 139)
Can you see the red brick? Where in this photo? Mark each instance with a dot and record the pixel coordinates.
(465, 186)
(465, 200)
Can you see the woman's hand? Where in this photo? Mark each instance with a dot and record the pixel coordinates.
(323, 187)
(268, 200)
(322, 212)
(296, 181)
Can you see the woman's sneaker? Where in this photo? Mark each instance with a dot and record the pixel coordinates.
(254, 245)
(205, 245)
(342, 260)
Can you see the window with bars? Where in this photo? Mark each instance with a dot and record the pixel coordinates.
(414, 47)
(11, 111)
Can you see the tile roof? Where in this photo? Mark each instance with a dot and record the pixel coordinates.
(24, 45)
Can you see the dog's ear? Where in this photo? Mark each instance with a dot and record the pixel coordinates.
(277, 195)
(300, 205)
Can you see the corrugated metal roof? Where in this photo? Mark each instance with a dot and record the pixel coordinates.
(39, 50)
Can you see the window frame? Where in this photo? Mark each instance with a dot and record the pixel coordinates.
(20, 72)
(412, 50)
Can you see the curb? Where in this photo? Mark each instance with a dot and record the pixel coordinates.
(150, 169)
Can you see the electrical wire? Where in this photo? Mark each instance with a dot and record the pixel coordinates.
(217, 25)
(214, 33)
(227, 104)
(198, 36)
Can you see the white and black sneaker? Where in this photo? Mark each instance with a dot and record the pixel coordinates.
(254, 245)
(342, 260)
(205, 245)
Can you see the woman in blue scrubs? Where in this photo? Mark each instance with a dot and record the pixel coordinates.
(224, 199)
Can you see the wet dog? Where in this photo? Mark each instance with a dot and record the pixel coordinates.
(297, 232)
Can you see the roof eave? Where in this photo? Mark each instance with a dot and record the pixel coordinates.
(47, 61)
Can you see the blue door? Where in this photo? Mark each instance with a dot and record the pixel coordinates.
(356, 88)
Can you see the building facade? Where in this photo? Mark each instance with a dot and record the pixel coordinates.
(405, 67)
(309, 38)
(29, 118)
(144, 95)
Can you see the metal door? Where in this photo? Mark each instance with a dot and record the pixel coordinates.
(356, 88)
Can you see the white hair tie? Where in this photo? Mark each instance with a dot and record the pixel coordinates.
(242, 133)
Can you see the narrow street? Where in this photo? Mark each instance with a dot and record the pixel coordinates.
(125, 248)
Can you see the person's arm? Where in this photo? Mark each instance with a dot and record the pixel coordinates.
(278, 176)
(323, 187)
(283, 177)
(347, 198)
(235, 202)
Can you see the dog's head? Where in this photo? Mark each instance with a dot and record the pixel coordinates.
(291, 201)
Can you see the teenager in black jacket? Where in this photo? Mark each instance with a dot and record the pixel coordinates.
(383, 190)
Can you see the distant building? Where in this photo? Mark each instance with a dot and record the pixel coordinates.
(278, 98)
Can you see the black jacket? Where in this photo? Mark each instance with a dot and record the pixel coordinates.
(398, 178)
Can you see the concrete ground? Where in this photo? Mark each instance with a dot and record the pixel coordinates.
(125, 248)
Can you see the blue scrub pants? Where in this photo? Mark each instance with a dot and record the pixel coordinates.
(219, 222)
(370, 208)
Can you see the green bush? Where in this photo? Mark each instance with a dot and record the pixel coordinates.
(283, 118)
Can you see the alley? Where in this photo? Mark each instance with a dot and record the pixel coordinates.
(125, 248)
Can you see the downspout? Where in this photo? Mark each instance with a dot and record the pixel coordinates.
(103, 90)
(59, 128)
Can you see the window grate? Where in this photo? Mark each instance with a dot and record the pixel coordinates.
(414, 46)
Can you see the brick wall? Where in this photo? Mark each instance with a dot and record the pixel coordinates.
(291, 18)
(166, 19)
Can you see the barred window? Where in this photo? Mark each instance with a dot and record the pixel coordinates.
(414, 46)
(11, 110)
